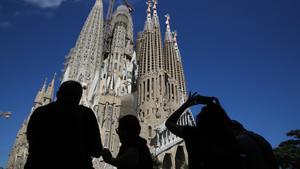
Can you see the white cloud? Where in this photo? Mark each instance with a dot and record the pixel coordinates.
(46, 3)
(5, 24)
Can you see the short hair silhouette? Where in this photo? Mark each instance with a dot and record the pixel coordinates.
(70, 92)
(63, 134)
(134, 152)
(130, 123)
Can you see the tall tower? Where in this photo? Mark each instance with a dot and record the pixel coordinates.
(83, 63)
(172, 85)
(117, 67)
(180, 72)
(117, 77)
(19, 153)
(152, 80)
(161, 85)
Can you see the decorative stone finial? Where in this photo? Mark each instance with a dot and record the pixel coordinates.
(168, 22)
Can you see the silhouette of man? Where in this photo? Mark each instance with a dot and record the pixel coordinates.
(258, 153)
(134, 152)
(210, 144)
(63, 134)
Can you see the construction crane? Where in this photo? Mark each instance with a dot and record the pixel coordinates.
(129, 6)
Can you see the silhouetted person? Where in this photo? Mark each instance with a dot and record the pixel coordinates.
(210, 144)
(63, 134)
(134, 152)
(258, 153)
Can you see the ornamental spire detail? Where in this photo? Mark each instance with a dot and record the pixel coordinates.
(148, 23)
(149, 8)
(155, 7)
(168, 35)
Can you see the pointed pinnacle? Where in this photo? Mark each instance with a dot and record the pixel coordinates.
(44, 85)
(149, 6)
(168, 22)
(154, 4)
(175, 36)
(54, 76)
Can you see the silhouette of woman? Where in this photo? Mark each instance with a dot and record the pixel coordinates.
(210, 144)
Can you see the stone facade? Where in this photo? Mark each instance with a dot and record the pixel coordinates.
(118, 79)
(161, 85)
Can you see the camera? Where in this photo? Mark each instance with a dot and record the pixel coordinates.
(205, 100)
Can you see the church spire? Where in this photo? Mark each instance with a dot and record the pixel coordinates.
(85, 59)
(149, 9)
(155, 7)
(44, 85)
(168, 35)
(180, 72)
(50, 89)
(148, 23)
(40, 94)
(176, 44)
(155, 16)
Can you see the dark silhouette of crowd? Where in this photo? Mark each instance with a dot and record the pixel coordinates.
(64, 135)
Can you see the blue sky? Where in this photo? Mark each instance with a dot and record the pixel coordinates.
(247, 53)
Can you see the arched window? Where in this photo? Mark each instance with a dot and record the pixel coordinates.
(150, 131)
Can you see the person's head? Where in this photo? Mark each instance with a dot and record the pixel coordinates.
(237, 127)
(213, 118)
(129, 128)
(69, 92)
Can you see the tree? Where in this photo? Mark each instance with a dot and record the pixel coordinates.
(288, 152)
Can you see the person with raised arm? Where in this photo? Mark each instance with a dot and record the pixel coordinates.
(210, 144)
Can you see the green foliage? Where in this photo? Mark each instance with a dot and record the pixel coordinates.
(288, 152)
(294, 133)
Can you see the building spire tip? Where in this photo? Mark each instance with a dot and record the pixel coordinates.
(54, 76)
(149, 6)
(168, 22)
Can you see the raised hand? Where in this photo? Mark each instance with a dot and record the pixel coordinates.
(192, 99)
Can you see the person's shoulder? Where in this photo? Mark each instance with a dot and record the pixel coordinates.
(256, 136)
(190, 129)
(259, 139)
(41, 112)
(189, 132)
(84, 108)
(142, 142)
(246, 140)
(44, 108)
